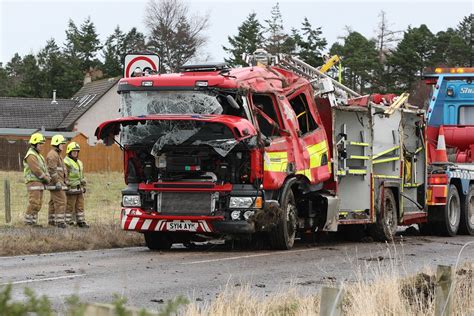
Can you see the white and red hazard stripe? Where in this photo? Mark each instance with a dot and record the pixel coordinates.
(131, 220)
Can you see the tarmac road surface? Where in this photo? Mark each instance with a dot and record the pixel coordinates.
(148, 278)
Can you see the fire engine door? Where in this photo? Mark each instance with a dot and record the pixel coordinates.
(278, 156)
(313, 139)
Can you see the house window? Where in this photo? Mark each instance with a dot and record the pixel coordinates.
(269, 125)
(300, 106)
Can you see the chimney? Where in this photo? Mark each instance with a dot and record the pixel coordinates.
(87, 78)
(54, 98)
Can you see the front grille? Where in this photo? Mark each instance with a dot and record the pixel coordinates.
(185, 203)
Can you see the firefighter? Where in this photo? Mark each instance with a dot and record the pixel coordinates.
(57, 171)
(76, 186)
(36, 176)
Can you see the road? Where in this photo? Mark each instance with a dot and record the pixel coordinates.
(147, 278)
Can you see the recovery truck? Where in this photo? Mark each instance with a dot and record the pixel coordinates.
(280, 151)
(450, 118)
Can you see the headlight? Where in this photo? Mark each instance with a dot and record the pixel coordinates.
(131, 200)
(235, 215)
(245, 202)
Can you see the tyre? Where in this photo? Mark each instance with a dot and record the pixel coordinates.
(466, 223)
(282, 236)
(157, 241)
(385, 226)
(451, 213)
(426, 229)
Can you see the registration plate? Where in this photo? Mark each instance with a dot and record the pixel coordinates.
(181, 226)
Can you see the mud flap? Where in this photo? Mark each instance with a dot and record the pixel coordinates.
(332, 212)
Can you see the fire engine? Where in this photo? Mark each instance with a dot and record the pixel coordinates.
(279, 149)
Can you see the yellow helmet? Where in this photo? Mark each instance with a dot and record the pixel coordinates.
(73, 146)
(58, 139)
(37, 138)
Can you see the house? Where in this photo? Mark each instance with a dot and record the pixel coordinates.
(95, 102)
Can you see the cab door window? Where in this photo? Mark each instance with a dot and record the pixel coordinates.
(269, 123)
(300, 106)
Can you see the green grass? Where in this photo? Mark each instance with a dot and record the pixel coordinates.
(102, 200)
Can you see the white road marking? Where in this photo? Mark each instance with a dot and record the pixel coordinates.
(45, 279)
(250, 256)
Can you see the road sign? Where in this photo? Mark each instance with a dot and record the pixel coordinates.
(140, 63)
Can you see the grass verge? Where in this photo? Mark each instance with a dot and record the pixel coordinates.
(23, 241)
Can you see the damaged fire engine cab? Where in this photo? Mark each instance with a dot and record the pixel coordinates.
(218, 151)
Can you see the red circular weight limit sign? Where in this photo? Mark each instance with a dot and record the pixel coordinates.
(140, 61)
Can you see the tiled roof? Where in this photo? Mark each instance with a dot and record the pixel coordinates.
(33, 113)
(86, 98)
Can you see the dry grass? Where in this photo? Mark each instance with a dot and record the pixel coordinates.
(102, 198)
(102, 208)
(22, 241)
(387, 294)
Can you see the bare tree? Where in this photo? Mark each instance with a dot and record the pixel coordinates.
(176, 34)
(385, 36)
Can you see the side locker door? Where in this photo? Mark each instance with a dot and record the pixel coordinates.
(313, 138)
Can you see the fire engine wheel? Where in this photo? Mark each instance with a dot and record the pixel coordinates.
(466, 225)
(283, 235)
(386, 225)
(451, 215)
(157, 241)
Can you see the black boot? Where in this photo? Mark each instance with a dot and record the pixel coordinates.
(61, 225)
(82, 225)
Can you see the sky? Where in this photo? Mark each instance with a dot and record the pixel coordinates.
(26, 25)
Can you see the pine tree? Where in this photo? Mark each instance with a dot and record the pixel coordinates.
(310, 42)
(465, 30)
(412, 56)
(53, 65)
(134, 41)
(4, 81)
(450, 49)
(247, 40)
(112, 51)
(277, 41)
(89, 44)
(83, 44)
(27, 78)
(360, 60)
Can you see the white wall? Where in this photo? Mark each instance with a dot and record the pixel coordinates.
(107, 108)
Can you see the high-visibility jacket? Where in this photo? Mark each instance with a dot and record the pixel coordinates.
(75, 171)
(29, 174)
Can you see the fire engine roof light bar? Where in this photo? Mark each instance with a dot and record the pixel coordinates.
(456, 70)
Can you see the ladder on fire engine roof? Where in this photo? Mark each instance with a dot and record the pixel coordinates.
(324, 84)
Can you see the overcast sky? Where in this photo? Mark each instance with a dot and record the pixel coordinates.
(25, 26)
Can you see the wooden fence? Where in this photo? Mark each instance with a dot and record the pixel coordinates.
(98, 158)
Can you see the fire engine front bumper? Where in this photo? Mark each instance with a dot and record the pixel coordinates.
(134, 219)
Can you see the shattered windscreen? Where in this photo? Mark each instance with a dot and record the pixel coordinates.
(136, 103)
(162, 133)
